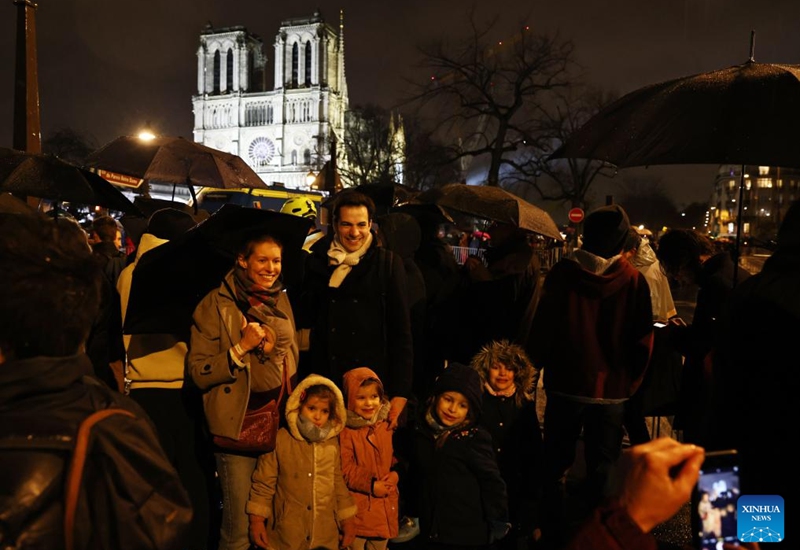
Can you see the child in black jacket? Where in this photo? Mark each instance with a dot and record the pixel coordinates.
(463, 497)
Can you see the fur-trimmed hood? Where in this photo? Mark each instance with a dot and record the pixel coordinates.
(293, 406)
(526, 376)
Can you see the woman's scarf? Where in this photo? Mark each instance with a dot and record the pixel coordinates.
(260, 305)
(310, 432)
(257, 303)
(356, 421)
(344, 260)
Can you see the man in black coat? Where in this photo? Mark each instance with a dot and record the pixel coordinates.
(354, 300)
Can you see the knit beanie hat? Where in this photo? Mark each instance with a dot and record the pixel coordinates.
(464, 380)
(169, 223)
(605, 231)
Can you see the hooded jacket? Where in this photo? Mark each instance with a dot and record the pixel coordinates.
(647, 263)
(516, 433)
(299, 486)
(593, 329)
(368, 455)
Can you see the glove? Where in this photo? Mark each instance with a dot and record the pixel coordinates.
(498, 530)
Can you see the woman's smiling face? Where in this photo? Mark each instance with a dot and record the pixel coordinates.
(263, 265)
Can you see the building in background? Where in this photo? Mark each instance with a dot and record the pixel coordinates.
(286, 132)
(768, 193)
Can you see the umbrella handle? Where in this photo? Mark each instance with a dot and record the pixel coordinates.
(194, 197)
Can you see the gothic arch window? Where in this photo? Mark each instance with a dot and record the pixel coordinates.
(216, 71)
(307, 157)
(251, 67)
(295, 63)
(229, 70)
(294, 157)
(308, 63)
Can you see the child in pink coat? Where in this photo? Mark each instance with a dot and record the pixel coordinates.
(367, 459)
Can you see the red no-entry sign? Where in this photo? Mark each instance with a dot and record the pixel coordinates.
(576, 215)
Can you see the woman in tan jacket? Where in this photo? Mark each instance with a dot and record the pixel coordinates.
(243, 339)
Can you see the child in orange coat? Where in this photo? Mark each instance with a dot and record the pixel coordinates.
(367, 459)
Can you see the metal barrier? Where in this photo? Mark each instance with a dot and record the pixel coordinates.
(461, 253)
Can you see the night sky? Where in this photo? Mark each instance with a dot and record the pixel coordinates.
(107, 67)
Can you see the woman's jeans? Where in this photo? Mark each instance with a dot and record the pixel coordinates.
(235, 476)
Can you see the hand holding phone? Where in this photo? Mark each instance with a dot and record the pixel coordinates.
(658, 480)
(714, 501)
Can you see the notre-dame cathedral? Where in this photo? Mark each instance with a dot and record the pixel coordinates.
(286, 132)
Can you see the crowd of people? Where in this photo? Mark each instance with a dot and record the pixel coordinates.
(406, 385)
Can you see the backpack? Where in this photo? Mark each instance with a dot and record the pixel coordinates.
(68, 479)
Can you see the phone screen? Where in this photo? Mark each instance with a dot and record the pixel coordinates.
(714, 501)
(659, 324)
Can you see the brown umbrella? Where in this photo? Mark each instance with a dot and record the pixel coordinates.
(176, 161)
(46, 176)
(9, 204)
(492, 203)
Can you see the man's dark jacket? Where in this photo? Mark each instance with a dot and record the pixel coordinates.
(363, 323)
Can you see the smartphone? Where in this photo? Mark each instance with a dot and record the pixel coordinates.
(659, 324)
(714, 501)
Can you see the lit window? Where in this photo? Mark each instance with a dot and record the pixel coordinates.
(763, 170)
(764, 183)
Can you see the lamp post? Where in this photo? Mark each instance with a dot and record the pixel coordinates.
(27, 126)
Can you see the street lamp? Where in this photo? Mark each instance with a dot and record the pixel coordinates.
(310, 178)
(146, 134)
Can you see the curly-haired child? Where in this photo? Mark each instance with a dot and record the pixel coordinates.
(509, 414)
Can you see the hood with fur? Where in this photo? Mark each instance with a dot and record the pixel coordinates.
(526, 376)
(293, 406)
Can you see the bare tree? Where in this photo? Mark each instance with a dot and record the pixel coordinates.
(428, 161)
(568, 180)
(485, 91)
(69, 144)
(374, 147)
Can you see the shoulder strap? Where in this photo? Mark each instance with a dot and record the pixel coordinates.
(75, 473)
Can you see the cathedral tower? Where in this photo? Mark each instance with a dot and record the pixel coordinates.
(285, 132)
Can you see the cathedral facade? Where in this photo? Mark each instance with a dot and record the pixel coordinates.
(286, 132)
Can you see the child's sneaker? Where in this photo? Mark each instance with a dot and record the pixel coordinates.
(409, 528)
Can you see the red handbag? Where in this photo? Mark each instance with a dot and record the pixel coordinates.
(260, 426)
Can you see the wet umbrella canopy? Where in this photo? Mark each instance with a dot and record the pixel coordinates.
(745, 114)
(492, 203)
(48, 177)
(175, 160)
(170, 280)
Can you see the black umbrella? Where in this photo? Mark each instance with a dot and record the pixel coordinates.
(745, 114)
(48, 177)
(170, 280)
